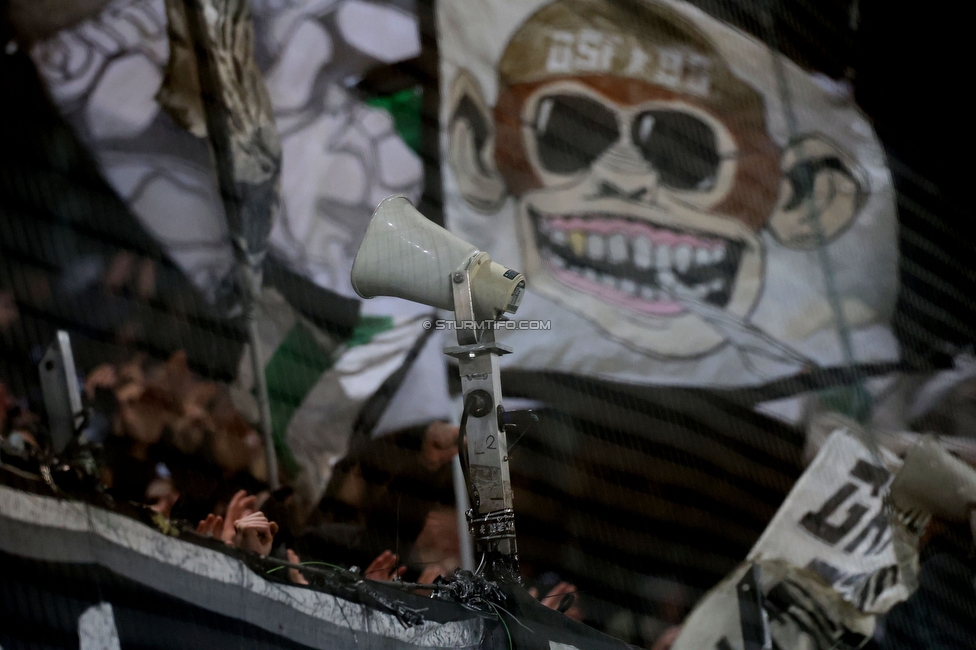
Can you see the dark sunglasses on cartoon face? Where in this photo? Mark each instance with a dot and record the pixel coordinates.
(624, 212)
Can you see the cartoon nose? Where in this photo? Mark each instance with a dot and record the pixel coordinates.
(610, 190)
(623, 173)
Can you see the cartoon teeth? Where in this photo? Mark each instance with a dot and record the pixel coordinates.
(667, 280)
(703, 256)
(577, 241)
(643, 267)
(618, 248)
(642, 253)
(596, 247)
(682, 258)
(697, 291)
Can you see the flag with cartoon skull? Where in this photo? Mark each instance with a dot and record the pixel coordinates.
(634, 160)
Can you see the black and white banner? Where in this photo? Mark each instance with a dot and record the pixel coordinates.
(833, 557)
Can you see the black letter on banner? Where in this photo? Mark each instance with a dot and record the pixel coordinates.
(880, 523)
(816, 522)
(791, 601)
(873, 475)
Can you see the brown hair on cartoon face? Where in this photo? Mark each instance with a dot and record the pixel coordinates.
(642, 167)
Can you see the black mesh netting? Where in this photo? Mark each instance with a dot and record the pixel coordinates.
(637, 498)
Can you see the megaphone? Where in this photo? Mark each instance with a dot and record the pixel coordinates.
(405, 255)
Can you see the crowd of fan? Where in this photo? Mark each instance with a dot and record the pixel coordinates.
(174, 443)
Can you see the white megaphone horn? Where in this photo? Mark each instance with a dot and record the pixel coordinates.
(405, 255)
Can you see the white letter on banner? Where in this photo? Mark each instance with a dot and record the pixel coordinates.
(96, 629)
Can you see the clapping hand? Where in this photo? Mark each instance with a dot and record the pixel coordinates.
(241, 505)
(255, 533)
(294, 574)
(384, 567)
(212, 526)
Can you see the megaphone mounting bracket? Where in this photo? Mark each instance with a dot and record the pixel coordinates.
(491, 519)
(465, 324)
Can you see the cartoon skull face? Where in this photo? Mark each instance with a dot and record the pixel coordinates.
(643, 172)
(624, 223)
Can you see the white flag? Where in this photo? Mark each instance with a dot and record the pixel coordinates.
(833, 558)
(636, 161)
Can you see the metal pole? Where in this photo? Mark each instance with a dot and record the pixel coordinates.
(461, 499)
(240, 128)
(261, 391)
(492, 518)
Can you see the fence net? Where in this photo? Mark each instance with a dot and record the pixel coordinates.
(738, 220)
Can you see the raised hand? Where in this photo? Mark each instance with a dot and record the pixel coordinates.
(255, 533)
(429, 574)
(384, 567)
(240, 506)
(439, 445)
(212, 526)
(294, 574)
(101, 377)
